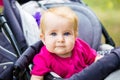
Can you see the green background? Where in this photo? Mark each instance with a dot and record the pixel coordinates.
(108, 11)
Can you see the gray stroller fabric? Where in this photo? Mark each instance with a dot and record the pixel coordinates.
(7, 58)
(14, 21)
(5, 43)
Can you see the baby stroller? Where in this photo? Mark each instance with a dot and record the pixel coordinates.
(26, 52)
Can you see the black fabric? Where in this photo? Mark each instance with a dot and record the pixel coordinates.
(16, 12)
(5, 43)
(23, 1)
(26, 59)
(28, 55)
(7, 56)
(14, 23)
(6, 64)
(7, 73)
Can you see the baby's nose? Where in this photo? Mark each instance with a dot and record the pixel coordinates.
(60, 38)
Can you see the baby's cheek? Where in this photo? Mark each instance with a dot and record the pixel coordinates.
(50, 49)
(70, 46)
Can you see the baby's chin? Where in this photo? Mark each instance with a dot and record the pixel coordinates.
(63, 54)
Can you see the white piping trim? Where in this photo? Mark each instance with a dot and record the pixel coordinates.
(8, 51)
(6, 63)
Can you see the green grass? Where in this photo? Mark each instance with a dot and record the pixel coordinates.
(108, 14)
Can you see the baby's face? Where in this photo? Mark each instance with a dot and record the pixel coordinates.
(59, 36)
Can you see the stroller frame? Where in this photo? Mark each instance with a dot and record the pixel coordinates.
(28, 53)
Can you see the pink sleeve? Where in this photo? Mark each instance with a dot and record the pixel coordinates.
(89, 54)
(39, 66)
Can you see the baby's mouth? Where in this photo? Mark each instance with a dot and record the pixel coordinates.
(60, 46)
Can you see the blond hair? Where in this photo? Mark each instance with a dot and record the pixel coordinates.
(62, 11)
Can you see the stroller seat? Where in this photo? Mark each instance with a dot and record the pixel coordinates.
(90, 30)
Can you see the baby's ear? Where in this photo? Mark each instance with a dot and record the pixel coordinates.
(42, 38)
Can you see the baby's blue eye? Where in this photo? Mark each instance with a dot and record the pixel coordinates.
(53, 34)
(67, 33)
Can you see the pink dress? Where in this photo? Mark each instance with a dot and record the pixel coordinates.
(82, 56)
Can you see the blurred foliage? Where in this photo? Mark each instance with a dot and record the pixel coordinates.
(108, 12)
(104, 4)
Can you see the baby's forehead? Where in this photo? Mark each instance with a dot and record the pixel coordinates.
(51, 15)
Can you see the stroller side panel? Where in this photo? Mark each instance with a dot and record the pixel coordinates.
(7, 60)
(5, 43)
(90, 30)
(14, 23)
(7, 56)
(28, 55)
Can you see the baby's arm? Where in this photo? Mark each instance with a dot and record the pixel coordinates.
(33, 77)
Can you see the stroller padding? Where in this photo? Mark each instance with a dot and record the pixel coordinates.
(7, 60)
(14, 23)
(28, 55)
(5, 43)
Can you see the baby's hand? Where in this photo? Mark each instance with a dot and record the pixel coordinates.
(98, 57)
